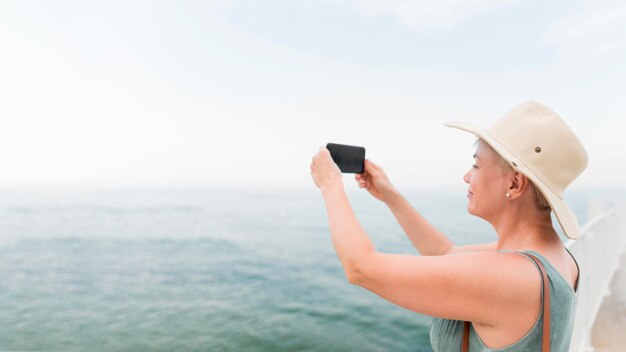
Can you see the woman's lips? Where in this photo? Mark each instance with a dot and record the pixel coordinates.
(470, 194)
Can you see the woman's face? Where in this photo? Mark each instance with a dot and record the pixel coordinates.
(488, 183)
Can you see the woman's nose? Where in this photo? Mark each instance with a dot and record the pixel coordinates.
(466, 177)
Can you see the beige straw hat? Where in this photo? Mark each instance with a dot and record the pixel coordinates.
(538, 143)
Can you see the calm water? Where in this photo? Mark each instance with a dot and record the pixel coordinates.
(205, 271)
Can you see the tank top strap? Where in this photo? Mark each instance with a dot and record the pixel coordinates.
(577, 270)
(541, 269)
(547, 263)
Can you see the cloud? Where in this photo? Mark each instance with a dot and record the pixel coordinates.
(592, 27)
(422, 15)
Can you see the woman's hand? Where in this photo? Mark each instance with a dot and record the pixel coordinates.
(325, 172)
(375, 181)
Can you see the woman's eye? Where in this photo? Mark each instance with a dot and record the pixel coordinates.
(475, 166)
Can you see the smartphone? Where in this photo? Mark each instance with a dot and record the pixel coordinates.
(349, 158)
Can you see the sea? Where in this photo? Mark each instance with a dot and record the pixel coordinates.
(205, 270)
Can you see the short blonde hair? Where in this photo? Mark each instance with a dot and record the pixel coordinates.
(540, 200)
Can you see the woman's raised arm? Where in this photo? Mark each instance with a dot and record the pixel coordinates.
(427, 239)
(424, 236)
(482, 287)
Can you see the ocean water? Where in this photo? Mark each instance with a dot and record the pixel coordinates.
(164, 270)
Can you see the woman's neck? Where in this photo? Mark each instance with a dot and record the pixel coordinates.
(525, 230)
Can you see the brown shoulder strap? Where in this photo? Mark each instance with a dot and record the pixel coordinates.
(465, 344)
(545, 341)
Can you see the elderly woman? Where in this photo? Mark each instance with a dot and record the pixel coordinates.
(515, 294)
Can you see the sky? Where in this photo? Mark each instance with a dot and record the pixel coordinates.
(241, 94)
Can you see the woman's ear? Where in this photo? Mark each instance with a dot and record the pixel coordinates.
(518, 183)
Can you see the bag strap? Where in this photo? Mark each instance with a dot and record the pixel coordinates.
(545, 340)
(465, 344)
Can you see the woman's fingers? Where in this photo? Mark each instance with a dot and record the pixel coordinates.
(324, 171)
(371, 166)
(362, 179)
(359, 179)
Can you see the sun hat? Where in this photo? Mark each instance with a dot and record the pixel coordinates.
(536, 142)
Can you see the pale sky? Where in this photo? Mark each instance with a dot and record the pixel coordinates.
(241, 94)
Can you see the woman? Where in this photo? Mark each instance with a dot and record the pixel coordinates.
(523, 163)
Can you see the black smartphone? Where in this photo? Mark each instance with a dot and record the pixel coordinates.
(349, 158)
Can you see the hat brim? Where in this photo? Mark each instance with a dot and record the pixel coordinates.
(561, 209)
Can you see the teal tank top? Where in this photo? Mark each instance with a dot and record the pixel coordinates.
(446, 335)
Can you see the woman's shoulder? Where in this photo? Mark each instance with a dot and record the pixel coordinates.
(559, 261)
(557, 257)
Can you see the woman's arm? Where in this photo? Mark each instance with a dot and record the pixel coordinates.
(485, 287)
(427, 239)
(481, 287)
(350, 240)
(424, 236)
